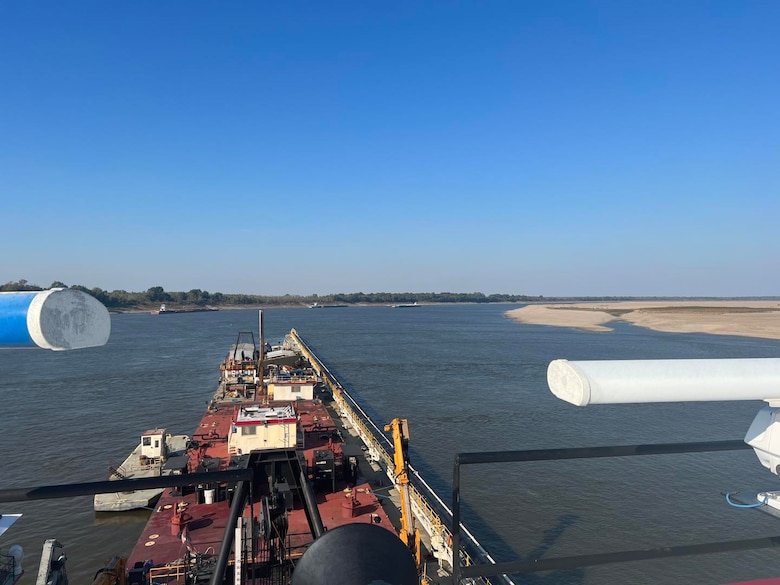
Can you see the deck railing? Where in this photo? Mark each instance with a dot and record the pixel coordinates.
(560, 563)
(291, 379)
(167, 573)
(380, 449)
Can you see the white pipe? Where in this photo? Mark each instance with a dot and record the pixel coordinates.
(57, 319)
(632, 381)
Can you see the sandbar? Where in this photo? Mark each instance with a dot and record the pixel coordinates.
(727, 317)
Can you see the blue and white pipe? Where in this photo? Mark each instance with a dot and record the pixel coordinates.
(57, 319)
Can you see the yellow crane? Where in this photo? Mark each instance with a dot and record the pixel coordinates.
(410, 535)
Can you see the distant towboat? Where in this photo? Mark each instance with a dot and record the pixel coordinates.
(319, 306)
(405, 305)
(163, 310)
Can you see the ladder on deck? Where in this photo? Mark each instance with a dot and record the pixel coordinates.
(115, 471)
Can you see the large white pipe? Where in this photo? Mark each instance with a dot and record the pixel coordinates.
(632, 381)
(57, 319)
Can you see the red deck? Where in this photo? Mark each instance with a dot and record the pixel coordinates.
(163, 543)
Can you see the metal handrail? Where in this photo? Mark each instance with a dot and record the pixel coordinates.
(421, 506)
(174, 571)
(536, 565)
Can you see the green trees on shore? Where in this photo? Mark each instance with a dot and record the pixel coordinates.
(124, 300)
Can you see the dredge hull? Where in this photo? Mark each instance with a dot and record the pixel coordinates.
(305, 481)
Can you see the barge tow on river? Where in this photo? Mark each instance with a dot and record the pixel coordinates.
(164, 310)
(285, 471)
(315, 468)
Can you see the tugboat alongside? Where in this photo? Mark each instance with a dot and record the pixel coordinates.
(157, 454)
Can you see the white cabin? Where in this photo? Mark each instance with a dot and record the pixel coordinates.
(284, 390)
(153, 444)
(257, 428)
(286, 384)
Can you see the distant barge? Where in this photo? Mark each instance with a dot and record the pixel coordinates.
(163, 310)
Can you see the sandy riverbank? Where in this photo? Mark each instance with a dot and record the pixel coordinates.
(744, 318)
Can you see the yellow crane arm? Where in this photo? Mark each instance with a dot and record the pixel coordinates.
(409, 534)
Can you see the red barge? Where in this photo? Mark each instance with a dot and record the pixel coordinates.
(266, 415)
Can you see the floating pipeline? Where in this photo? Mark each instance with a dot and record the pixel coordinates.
(56, 319)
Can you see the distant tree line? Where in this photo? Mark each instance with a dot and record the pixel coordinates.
(122, 299)
(156, 295)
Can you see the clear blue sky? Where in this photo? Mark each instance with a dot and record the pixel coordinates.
(527, 147)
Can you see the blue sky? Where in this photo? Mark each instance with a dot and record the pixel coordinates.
(526, 147)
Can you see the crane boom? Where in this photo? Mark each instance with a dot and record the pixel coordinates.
(410, 535)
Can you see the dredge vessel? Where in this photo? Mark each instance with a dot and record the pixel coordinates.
(313, 467)
(284, 466)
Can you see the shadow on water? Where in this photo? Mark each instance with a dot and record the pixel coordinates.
(551, 536)
(474, 521)
(125, 518)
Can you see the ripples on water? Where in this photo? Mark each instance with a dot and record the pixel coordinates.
(466, 377)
